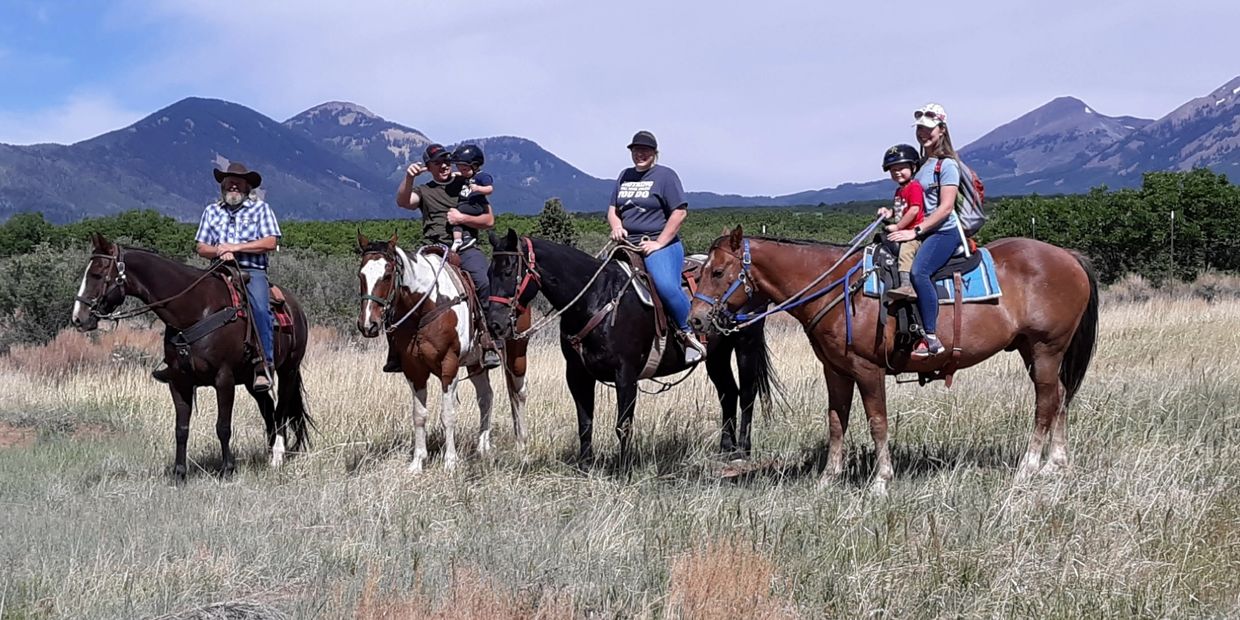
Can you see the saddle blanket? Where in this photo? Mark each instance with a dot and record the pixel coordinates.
(979, 284)
(282, 318)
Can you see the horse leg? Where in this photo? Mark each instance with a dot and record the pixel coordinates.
(183, 401)
(482, 389)
(839, 407)
(873, 387)
(626, 406)
(277, 438)
(517, 395)
(749, 359)
(1048, 391)
(447, 419)
(225, 393)
(417, 385)
(719, 367)
(581, 386)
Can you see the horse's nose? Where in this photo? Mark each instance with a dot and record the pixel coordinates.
(696, 323)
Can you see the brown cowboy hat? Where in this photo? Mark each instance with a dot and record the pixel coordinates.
(237, 169)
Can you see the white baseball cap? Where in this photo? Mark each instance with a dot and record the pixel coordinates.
(930, 115)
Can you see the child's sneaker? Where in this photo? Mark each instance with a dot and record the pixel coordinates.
(930, 346)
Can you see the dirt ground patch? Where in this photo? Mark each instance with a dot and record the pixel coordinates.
(16, 436)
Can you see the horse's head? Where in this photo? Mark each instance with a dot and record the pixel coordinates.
(514, 281)
(726, 284)
(103, 284)
(379, 276)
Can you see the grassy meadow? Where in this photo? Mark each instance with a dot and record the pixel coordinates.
(1146, 524)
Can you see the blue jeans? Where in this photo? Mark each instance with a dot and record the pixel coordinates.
(259, 293)
(935, 251)
(664, 267)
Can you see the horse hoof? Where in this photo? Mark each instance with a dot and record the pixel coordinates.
(449, 463)
(879, 488)
(415, 467)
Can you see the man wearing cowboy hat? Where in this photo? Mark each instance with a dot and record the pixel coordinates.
(242, 228)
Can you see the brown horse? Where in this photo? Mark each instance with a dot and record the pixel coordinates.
(417, 300)
(1048, 313)
(182, 296)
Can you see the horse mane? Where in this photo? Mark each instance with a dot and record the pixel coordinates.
(376, 246)
(175, 264)
(785, 240)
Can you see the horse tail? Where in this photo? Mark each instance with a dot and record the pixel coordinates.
(764, 373)
(1081, 349)
(291, 410)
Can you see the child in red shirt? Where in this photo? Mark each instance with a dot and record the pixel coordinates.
(909, 207)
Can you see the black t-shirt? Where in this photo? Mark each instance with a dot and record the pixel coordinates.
(473, 204)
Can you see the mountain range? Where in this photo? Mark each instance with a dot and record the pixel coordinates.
(338, 160)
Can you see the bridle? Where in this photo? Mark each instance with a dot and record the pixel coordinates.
(529, 265)
(113, 283)
(720, 315)
(397, 277)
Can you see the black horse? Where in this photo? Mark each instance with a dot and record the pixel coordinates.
(615, 349)
(181, 296)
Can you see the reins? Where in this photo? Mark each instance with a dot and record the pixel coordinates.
(121, 277)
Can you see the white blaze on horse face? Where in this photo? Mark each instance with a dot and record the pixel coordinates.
(372, 272)
(77, 303)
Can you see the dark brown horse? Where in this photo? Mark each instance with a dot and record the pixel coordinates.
(417, 299)
(181, 296)
(1048, 313)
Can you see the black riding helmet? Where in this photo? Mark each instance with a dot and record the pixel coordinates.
(468, 154)
(900, 154)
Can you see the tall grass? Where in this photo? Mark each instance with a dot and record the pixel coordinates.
(1145, 524)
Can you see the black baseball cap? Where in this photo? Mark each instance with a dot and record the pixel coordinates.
(435, 152)
(644, 138)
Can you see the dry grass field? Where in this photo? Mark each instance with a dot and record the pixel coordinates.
(1146, 524)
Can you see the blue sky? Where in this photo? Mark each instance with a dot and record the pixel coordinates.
(749, 97)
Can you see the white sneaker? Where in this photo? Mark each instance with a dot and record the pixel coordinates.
(694, 350)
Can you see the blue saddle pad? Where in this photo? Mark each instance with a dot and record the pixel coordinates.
(980, 284)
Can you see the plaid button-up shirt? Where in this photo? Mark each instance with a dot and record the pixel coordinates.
(251, 221)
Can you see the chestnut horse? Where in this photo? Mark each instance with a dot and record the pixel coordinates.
(417, 300)
(181, 296)
(1048, 313)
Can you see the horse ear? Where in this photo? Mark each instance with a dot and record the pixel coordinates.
(725, 232)
(736, 237)
(362, 241)
(392, 241)
(494, 239)
(99, 242)
(511, 239)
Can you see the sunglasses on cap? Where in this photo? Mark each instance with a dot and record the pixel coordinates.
(928, 114)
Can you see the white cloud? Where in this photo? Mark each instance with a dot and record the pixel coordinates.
(770, 97)
(81, 116)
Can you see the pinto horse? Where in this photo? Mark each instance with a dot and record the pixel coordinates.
(615, 347)
(182, 296)
(417, 300)
(1048, 313)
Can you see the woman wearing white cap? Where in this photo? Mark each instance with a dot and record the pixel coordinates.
(940, 233)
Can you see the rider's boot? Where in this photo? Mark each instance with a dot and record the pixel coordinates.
(490, 350)
(393, 357)
(904, 290)
(163, 374)
(695, 351)
(262, 377)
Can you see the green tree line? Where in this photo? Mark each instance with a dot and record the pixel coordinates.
(1124, 231)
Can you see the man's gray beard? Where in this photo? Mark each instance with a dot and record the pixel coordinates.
(233, 199)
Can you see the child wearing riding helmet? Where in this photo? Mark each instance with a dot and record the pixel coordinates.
(474, 192)
(940, 232)
(908, 208)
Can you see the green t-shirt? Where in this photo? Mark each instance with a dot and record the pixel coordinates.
(435, 199)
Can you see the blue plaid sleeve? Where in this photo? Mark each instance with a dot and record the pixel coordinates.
(267, 224)
(207, 232)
